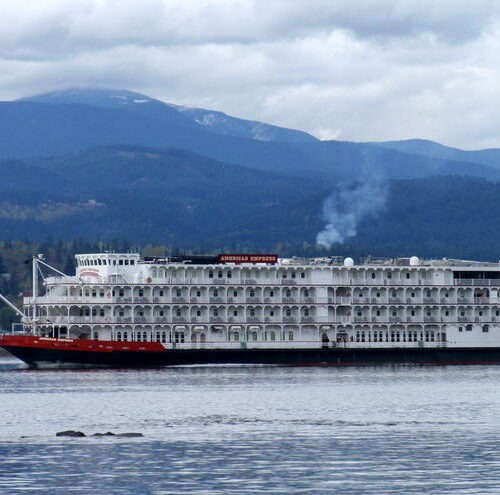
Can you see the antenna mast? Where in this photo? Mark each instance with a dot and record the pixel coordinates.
(35, 292)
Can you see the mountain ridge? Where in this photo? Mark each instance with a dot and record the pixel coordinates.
(145, 171)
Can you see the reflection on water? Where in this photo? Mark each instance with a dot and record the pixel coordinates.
(237, 430)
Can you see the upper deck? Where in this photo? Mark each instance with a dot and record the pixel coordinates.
(130, 268)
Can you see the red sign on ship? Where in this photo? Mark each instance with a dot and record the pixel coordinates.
(248, 258)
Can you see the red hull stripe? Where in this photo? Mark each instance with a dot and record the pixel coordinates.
(78, 344)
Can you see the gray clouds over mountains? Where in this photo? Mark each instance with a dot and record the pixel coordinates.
(363, 70)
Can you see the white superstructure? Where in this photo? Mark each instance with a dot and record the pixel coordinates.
(290, 303)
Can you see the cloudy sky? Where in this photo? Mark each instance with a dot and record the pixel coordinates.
(341, 69)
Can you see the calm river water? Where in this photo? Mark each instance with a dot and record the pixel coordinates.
(251, 430)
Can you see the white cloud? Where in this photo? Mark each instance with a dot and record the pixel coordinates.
(363, 70)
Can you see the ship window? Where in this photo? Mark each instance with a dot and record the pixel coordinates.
(254, 335)
(407, 275)
(210, 274)
(284, 275)
(229, 274)
(288, 312)
(161, 293)
(288, 293)
(373, 275)
(252, 312)
(178, 293)
(114, 262)
(161, 313)
(178, 312)
(144, 336)
(101, 312)
(306, 293)
(216, 312)
(235, 294)
(389, 275)
(271, 294)
(236, 335)
(120, 262)
(428, 313)
(306, 312)
(271, 313)
(121, 313)
(121, 293)
(497, 312)
(99, 262)
(378, 313)
(302, 275)
(480, 313)
(460, 329)
(125, 336)
(132, 262)
(293, 274)
(219, 274)
(413, 312)
(198, 313)
(235, 312)
(273, 335)
(412, 294)
(126, 262)
(359, 313)
(378, 294)
(447, 313)
(119, 336)
(216, 292)
(290, 335)
(462, 313)
(164, 337)
(140, 312)
(252, 293)
(486, 328)
(468, 328)
(394, 313)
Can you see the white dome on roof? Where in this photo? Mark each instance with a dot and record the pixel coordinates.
(414, 261)
(348, 262)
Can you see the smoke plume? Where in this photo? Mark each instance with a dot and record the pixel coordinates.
(347, 206)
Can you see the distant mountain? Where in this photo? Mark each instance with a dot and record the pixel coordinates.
(489, 157)
(142, 105)
(224, 124)
(103, 164)
(70, 121)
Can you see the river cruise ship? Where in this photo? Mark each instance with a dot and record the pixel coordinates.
(123, 310)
